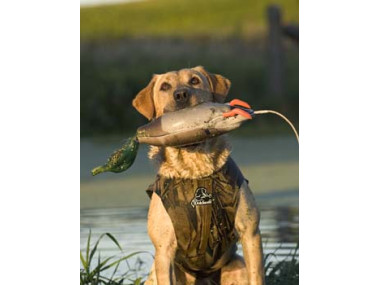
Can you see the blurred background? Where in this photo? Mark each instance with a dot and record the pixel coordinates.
(253, 43)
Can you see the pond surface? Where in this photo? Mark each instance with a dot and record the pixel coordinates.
(279, 228)
(118, 204)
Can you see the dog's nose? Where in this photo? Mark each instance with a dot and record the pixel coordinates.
(181, 95)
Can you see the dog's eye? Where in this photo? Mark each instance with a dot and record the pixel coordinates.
(194, 81)
(165, 86)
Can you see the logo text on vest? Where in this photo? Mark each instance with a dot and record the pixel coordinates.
(201, 197)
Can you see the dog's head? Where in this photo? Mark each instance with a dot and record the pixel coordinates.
(176, 90)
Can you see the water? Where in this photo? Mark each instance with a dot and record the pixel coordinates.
(279, 229)
(118, 204)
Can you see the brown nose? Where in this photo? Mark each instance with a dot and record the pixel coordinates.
(181, 95)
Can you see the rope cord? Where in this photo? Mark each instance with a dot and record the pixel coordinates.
(259, 112)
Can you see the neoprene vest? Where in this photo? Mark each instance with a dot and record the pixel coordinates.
(203, 214)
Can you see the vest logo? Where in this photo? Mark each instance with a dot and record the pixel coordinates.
(201, 197)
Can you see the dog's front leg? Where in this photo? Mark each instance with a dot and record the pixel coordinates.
(247, 225)
(161, 232)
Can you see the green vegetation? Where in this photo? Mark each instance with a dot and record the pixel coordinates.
(285, 272)
(189, 18)
(93, 275)
(123, 45)
(112, 75)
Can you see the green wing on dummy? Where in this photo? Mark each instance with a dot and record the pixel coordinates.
(121, 159)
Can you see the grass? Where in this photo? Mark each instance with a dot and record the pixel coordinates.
(112, 74)
(91, 274)
(174, 18)
(284, 272)
(123, 45)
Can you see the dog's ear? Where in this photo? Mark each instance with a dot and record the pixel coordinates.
(143, 101)
(219, 84)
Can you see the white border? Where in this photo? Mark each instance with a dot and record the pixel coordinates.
(39, 115)
(339, 123)
(339, 142)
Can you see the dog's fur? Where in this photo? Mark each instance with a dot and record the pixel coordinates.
(170, 92)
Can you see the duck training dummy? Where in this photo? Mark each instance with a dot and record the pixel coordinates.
(184, 127)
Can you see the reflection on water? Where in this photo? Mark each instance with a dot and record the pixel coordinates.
(279, 229)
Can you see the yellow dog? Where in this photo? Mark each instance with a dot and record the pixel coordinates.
(201, 205)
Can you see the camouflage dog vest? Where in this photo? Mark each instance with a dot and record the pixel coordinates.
(203, 214)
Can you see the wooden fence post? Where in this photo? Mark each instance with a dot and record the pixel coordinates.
(276, 85)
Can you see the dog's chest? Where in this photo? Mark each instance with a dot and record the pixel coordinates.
(203, 213)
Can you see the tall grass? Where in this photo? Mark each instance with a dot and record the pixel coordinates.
(185, 18)
(93, 274)
(284, 272)
(112, 75)
(123, 45)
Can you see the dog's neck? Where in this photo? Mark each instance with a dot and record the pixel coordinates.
(191, 163)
